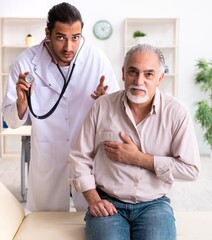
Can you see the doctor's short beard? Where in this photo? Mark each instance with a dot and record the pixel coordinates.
(136, 99)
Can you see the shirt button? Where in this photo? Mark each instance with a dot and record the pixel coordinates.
(135, 184)
(67, 140)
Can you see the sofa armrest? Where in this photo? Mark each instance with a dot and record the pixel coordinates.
(11, 214)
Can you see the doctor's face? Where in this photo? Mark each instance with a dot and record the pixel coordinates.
(64, 41)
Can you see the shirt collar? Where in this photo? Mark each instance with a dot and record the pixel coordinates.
(156, 101)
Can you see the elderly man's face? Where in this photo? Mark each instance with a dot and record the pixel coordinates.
(142, 75)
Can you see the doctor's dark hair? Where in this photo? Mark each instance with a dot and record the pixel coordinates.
(145, 48)
(65, 13)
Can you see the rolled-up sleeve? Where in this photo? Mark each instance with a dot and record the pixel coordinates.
(81, 157)
(83, 183)
(184, 162)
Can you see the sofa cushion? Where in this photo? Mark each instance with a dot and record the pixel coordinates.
(52, 226)
(194, 225)
(71, 226)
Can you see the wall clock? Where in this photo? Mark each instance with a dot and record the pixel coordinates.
(102, 29)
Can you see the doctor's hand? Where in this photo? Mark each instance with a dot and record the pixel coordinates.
(100, 90)
(21, 87)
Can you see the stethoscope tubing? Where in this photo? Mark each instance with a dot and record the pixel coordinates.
(65, 85)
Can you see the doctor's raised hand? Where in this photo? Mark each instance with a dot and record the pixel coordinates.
(100, 90)
(21, 87)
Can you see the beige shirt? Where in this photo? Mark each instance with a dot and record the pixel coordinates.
(167, 133)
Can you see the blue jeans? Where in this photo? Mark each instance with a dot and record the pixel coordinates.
(153, 220)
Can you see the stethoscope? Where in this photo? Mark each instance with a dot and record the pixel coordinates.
(29, 78)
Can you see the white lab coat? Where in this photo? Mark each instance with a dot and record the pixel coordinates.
(51, 138)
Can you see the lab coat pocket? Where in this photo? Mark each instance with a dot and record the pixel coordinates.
(44, 156)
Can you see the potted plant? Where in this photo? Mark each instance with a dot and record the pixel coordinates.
(203, 114)
(138, 36)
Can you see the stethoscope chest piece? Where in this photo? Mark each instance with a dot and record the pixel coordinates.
(29, 78)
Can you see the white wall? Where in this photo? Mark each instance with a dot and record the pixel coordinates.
(195, 35)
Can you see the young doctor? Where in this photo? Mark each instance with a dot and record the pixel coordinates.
(67, 76)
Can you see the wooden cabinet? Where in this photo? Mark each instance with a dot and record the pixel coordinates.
(13, 34)
(162, 33)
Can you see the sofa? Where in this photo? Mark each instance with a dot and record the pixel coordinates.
(16, 225)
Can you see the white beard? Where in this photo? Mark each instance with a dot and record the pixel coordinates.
(136, 99)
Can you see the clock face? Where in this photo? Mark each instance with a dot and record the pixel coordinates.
(102, 29)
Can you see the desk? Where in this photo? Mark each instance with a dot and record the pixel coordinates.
(25, 133)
